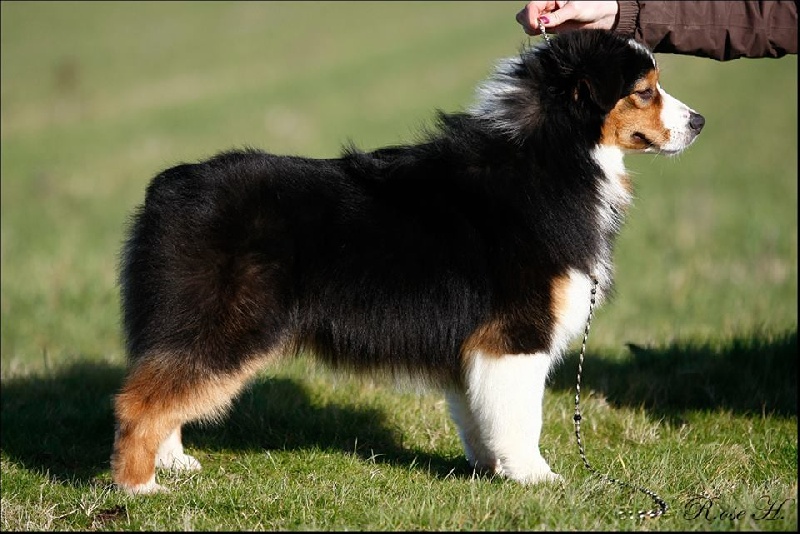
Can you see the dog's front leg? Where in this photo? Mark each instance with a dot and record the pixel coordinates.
(505, 395)
(481, 459)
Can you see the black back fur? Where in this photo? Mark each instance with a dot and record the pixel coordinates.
(387, 259)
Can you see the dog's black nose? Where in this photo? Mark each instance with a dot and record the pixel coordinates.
(696, 122)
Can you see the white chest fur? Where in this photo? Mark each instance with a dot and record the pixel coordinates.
(573, 293)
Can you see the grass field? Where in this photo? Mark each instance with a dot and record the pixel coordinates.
(690, 385)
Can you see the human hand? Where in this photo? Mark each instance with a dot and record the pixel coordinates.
(562, 16)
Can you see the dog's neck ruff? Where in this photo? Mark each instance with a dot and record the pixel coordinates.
(494, 95)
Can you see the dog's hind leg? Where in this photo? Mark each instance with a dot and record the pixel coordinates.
(505, 395)
(158, 397)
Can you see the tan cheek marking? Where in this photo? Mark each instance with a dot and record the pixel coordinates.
(629, 117)
(614, 126)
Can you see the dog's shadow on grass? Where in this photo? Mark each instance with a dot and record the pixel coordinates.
(62, 424)
(278, 414)
(749, 375)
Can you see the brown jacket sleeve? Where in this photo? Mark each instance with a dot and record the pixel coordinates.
(718, 30)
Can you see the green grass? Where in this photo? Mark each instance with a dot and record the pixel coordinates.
(690, 381)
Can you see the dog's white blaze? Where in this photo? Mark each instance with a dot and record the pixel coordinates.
(503, 399)
(675, 118)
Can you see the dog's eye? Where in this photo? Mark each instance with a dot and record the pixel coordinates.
(645, 94)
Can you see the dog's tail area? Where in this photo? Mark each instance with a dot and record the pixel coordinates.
(204, 306)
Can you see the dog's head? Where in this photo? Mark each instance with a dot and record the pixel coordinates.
(591, 85)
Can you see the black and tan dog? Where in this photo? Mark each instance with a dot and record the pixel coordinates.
(465, 259)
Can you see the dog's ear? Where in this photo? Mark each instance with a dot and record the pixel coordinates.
(603, 89)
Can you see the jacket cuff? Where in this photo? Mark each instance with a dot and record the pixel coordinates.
(627, 17)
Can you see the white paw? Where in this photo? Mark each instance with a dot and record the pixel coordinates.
(177, 462)
(147, 488)
(537, 478)
(533, 471)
